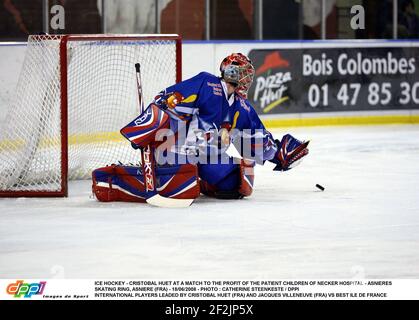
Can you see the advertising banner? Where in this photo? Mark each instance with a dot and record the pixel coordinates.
(334, 79)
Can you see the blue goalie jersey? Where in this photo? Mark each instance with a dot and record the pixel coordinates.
(203, 102)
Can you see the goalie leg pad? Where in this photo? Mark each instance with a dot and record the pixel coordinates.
(126, 183)
(178, 181)
(118, 183)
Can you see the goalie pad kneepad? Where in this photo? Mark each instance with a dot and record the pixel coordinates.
(126, 183)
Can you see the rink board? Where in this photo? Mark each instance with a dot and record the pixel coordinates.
(290, 92)
(205, 56)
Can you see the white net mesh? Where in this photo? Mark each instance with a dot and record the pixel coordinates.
(102, 98)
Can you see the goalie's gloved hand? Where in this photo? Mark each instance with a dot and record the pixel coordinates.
(290, 153)
(160, 100)
(166, 100)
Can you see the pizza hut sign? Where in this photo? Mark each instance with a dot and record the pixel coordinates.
(271, 84)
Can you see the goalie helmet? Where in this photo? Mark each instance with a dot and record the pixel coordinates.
(238, 70)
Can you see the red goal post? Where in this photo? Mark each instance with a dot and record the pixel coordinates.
(74, 94)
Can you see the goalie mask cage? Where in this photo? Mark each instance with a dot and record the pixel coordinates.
(75, 92)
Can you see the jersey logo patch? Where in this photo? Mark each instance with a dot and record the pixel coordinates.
(190, 99)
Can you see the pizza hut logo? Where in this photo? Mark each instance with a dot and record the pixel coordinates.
(272, 81)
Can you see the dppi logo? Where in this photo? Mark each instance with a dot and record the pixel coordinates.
(27, 290)
(271, 88)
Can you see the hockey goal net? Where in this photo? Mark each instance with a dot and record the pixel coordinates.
(75, 92)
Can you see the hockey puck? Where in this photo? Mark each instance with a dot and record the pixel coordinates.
(320, 187)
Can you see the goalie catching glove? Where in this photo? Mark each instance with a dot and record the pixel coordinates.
(290, 153)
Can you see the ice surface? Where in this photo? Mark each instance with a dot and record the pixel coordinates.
(365, 223)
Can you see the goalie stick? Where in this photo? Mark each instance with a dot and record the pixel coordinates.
(147, 156)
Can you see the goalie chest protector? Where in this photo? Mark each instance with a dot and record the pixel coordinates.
(126, 183)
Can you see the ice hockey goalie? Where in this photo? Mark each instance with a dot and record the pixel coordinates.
(199, 120)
